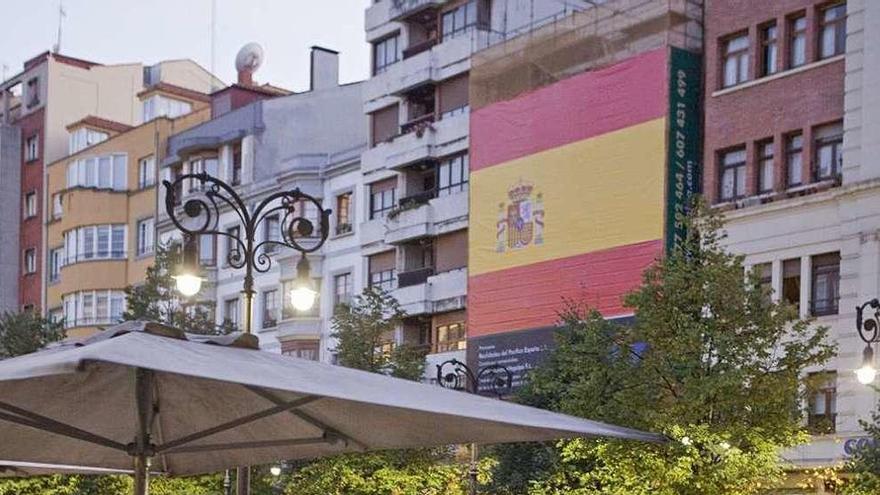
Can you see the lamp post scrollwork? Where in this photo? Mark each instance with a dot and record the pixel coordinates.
(868, 326)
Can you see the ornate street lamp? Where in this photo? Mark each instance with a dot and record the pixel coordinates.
(869, 331)
(200, 215)
(456, 375)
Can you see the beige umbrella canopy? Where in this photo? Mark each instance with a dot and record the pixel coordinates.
(195, 405)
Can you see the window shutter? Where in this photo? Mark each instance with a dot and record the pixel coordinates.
(382, 261)
(453, 93)
(386, 124)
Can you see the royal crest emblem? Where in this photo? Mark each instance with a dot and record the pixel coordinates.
(521, 220)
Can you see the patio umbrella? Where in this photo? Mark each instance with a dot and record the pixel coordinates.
(192, 404)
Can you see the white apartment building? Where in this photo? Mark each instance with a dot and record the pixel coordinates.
(277, 142)
(821, 250)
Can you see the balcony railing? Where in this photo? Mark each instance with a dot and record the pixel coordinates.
(401, 9)
(418, 124)
(416, 200)
(417, 48)
(414, 277)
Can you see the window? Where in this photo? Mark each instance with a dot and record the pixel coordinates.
(98, 307)
(163, 106)
(383, 196)
(95, 242)
(794, 159)
(791, 282)
(829, 151)
(309, 211)
(765, 167)
(386, 53)
(32, 148)
(769, 49)
(452, 337)
(736, 60)
(382, 270)
(230, 312)
(30, 204)
(832, 30)
(145, 230)
(798, 41)
(385, 124)
(56, 261)
(270, 308)
(29, 263)
(33, 92)
(460, 19)
(57, 206)
(453, 95)
(207, 250)
(764, 271)
(271, 233)
(826, 284)
(733, 174)
(822, 402)
(303, 349)
(103, 172)
(343, 288)
(209, 166)
(84, 137)
(233, 233)
(235, 175)
(174, 172)
(343, 213)
(453, 175)
(146, 172)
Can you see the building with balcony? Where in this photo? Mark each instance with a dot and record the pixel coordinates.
(37, 105)
(435, 66)
(101, 208)
(262, 140)
(790, 131)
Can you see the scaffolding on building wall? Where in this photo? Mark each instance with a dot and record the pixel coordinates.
(579, 40)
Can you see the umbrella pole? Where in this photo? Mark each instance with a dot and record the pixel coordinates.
(143, 390)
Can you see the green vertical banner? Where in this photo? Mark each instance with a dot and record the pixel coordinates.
(683, 162)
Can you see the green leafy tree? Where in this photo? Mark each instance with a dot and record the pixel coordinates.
(864, 465)
(157, 299)
(711, 361)
(26, 332)
(363, 331)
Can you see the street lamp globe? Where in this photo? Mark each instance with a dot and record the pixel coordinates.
(303, 295)
(275, 470)
(188, 284)
(867, 373)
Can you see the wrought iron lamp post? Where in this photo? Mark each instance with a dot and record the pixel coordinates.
(456, 375)
(200, 215)
(869, 331)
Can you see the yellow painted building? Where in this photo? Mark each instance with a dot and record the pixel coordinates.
(102, 204)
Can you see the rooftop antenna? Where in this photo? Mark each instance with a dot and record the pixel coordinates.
(61, 15)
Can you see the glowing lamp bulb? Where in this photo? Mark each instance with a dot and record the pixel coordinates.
(275, 470)
(303, 297)
(188, 284)
(866, 374)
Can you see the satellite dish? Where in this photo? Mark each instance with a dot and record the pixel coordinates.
(249, 58)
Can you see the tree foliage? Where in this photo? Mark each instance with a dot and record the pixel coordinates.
(157, 299)
(864, 464)
(363, 331)
(26, 332)
(711, 361)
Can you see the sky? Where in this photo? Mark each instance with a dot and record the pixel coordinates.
(148, 31)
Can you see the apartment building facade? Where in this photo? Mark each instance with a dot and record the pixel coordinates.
(262, 140)
(50, 93)
(789, 130)
(102, 203)
(416, 171)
